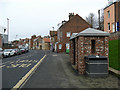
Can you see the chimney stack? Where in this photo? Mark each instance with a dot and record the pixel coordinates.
(71, 15)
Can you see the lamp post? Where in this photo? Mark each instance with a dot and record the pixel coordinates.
(8, 28)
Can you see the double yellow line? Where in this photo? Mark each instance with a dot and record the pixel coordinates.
(27, 75)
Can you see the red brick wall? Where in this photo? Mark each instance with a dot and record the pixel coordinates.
(72, 51)
(76, 53)
(83, 48)
(63, 48)
(114, 36)
(75, 25)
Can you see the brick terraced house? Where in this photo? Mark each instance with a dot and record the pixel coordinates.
(112, 17)
(88, 42)
(53, 39)
(37, 43)
(75, 24)
(46, 43)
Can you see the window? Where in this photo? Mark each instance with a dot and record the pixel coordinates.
(60, 46)
(117, 26)
(93, 46)
(108, 26)
(113, 26)
(68, 34)
(61, 34)
(108, 14)
(67, 46)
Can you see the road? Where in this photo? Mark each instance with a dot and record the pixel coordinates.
(55, 71)
(14, 68)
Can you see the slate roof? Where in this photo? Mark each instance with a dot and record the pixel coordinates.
(91, 32)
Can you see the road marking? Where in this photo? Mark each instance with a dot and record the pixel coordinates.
(13, 66)
(28, 74)
(18, 59)
(54, 55)
(2, 66)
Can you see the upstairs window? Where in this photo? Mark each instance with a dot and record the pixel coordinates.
(108, 26)
(108, 14)
(68, 34)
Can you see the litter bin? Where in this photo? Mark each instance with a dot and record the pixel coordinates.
(96, 66)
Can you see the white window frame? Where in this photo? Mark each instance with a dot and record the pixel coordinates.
(60, 46)
(67, 45)
(68, 34)
(113, 27)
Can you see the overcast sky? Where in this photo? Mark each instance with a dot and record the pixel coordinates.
(29, 17)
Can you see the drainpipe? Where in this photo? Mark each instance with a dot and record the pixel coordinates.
(99, 19)
(115, 18)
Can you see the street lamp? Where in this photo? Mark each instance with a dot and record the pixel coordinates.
(8, 28)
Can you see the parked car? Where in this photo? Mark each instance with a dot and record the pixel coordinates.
(22, 50)
(17, 51)
(8, 52)
(1, 53)
(14, 51)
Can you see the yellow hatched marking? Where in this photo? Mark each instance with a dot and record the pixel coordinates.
(26, 60)
(13, 65)
(35, 61)
(2, 66)
(28, 65)
(23, 65)
(30, 60)
(22, 61)
(27, 75)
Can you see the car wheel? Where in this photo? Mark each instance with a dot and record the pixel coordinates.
(9, 55)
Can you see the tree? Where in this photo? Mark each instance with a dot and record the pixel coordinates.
(91, 19)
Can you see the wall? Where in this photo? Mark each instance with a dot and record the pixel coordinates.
(75, 25)
(45, 46)
(114, 36)
(0, 41)
(109, 20)
(83, 48)
(114, 16)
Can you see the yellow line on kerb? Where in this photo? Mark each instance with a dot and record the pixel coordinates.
(27, 75)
